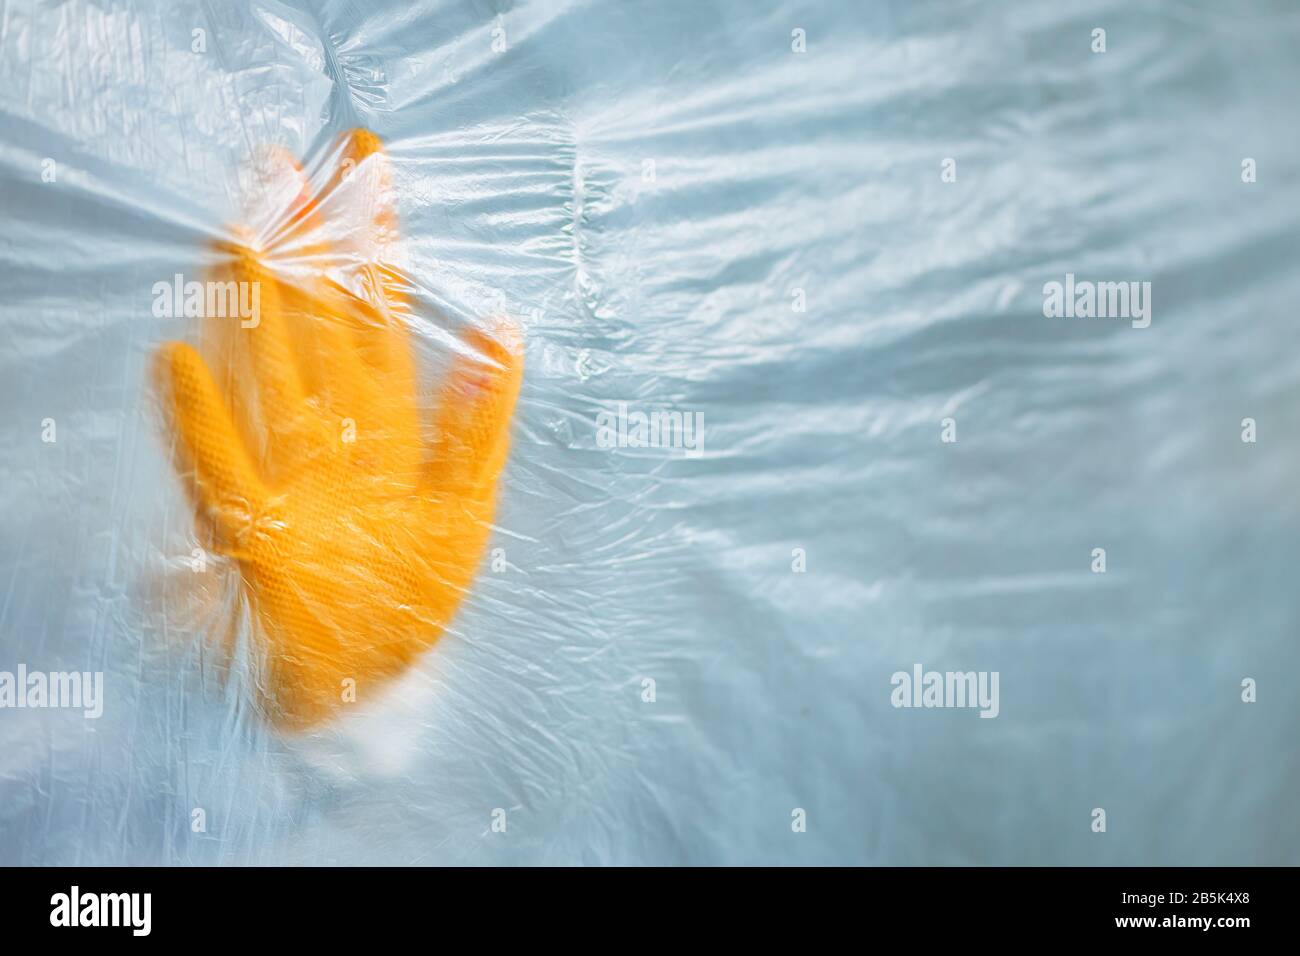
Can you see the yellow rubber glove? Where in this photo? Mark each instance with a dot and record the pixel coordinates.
(356, 535)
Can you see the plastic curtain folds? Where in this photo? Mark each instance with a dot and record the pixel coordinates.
(813, 407)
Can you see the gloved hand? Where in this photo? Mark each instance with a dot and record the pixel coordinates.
(356, 534)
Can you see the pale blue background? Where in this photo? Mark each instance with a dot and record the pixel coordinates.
(521, 180)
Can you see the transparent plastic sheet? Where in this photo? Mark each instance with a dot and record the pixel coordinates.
(678, 652)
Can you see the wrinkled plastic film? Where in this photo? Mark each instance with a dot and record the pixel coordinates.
(629, 398)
